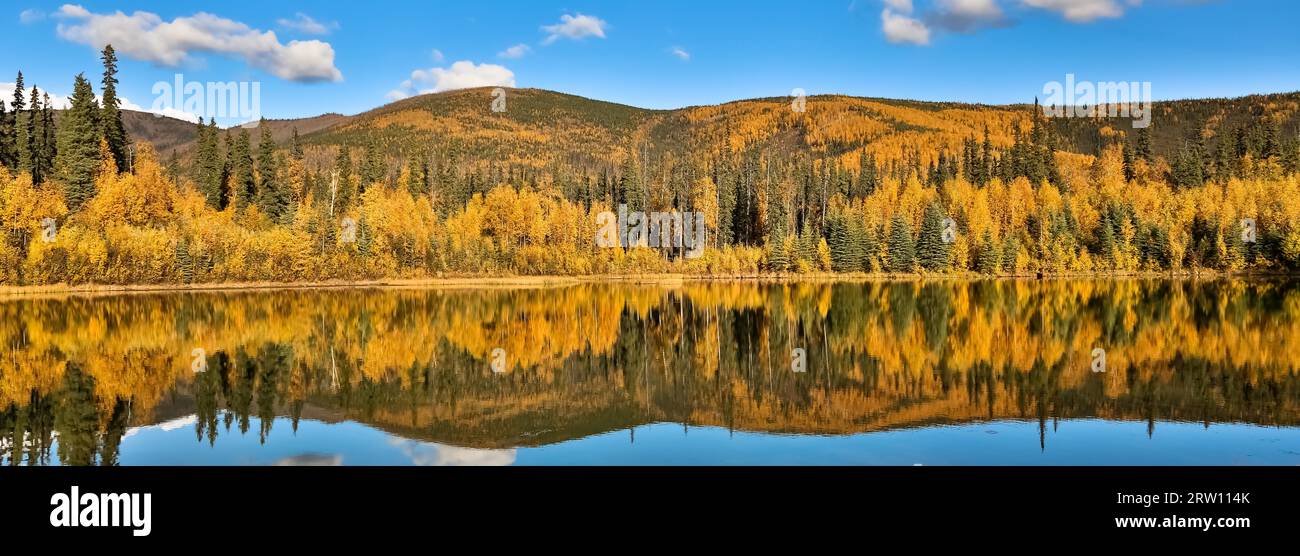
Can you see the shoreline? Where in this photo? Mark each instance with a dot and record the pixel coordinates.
(671, 279)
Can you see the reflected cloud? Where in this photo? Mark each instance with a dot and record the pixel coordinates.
(438, 455)
(311, 460)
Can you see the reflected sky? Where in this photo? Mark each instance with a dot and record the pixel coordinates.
(891, 373)
(1090, 442)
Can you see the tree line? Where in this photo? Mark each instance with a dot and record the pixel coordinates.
(81, 203)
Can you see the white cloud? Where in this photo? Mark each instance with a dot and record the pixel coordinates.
(436, 55)
(7, 95)
(515, 52)
(145, 36)
(1083, 11)
(904, 6)
(305, 24)
(901, 29)
(966, 15)
(461, 75)
(31, 15)
(60, 102)
(681, 53)
(575, 27)
(972, 8)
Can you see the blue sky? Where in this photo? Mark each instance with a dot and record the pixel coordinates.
(315, 57)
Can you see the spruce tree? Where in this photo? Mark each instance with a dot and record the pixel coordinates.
(417, 181)
(21, 153)
(845, 256)
(209, 166)
(342, 195)
(78, 150)
(902, 249)
(6, 136)
(240, 161)
(1144, 149)
(184, 262)
(930, 247)
(631, 190)
(33, 150)
(807, 245)
(373, 170)
(111, 118)
(49, 138)
(273, 198)
(989, 259)
(866, 248)
(295, 147)
(778, 259)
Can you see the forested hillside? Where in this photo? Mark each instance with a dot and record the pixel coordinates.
(445, 183)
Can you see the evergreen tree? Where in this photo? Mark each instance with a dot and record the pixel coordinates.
(111, 117)
(1226, 162)
(373, 169)
(988, 260)
(7, 145)
(49, 139)
(778, 257)
(1129, 158)
(273, 193)
(295, 146)
(209, 168)
(868, 244)
(930, 247)
(846, 251)
(631, 189)
(417, 179)
(1291, 157)
(807, 244)
(1010, 251)
(239, 158)
(1189, 166)
(34, 150)
(1144, 150)
(78, 150)
(21, 154)
(341, 182)
(184, 262)
(902, 249)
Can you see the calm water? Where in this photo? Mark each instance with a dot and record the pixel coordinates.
(931, 373)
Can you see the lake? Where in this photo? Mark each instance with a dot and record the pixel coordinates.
(949, 372)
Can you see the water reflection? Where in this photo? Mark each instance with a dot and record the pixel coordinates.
(83, 380)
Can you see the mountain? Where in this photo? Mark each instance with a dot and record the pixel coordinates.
(168, 134)
(539, 127)
(536, 127)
